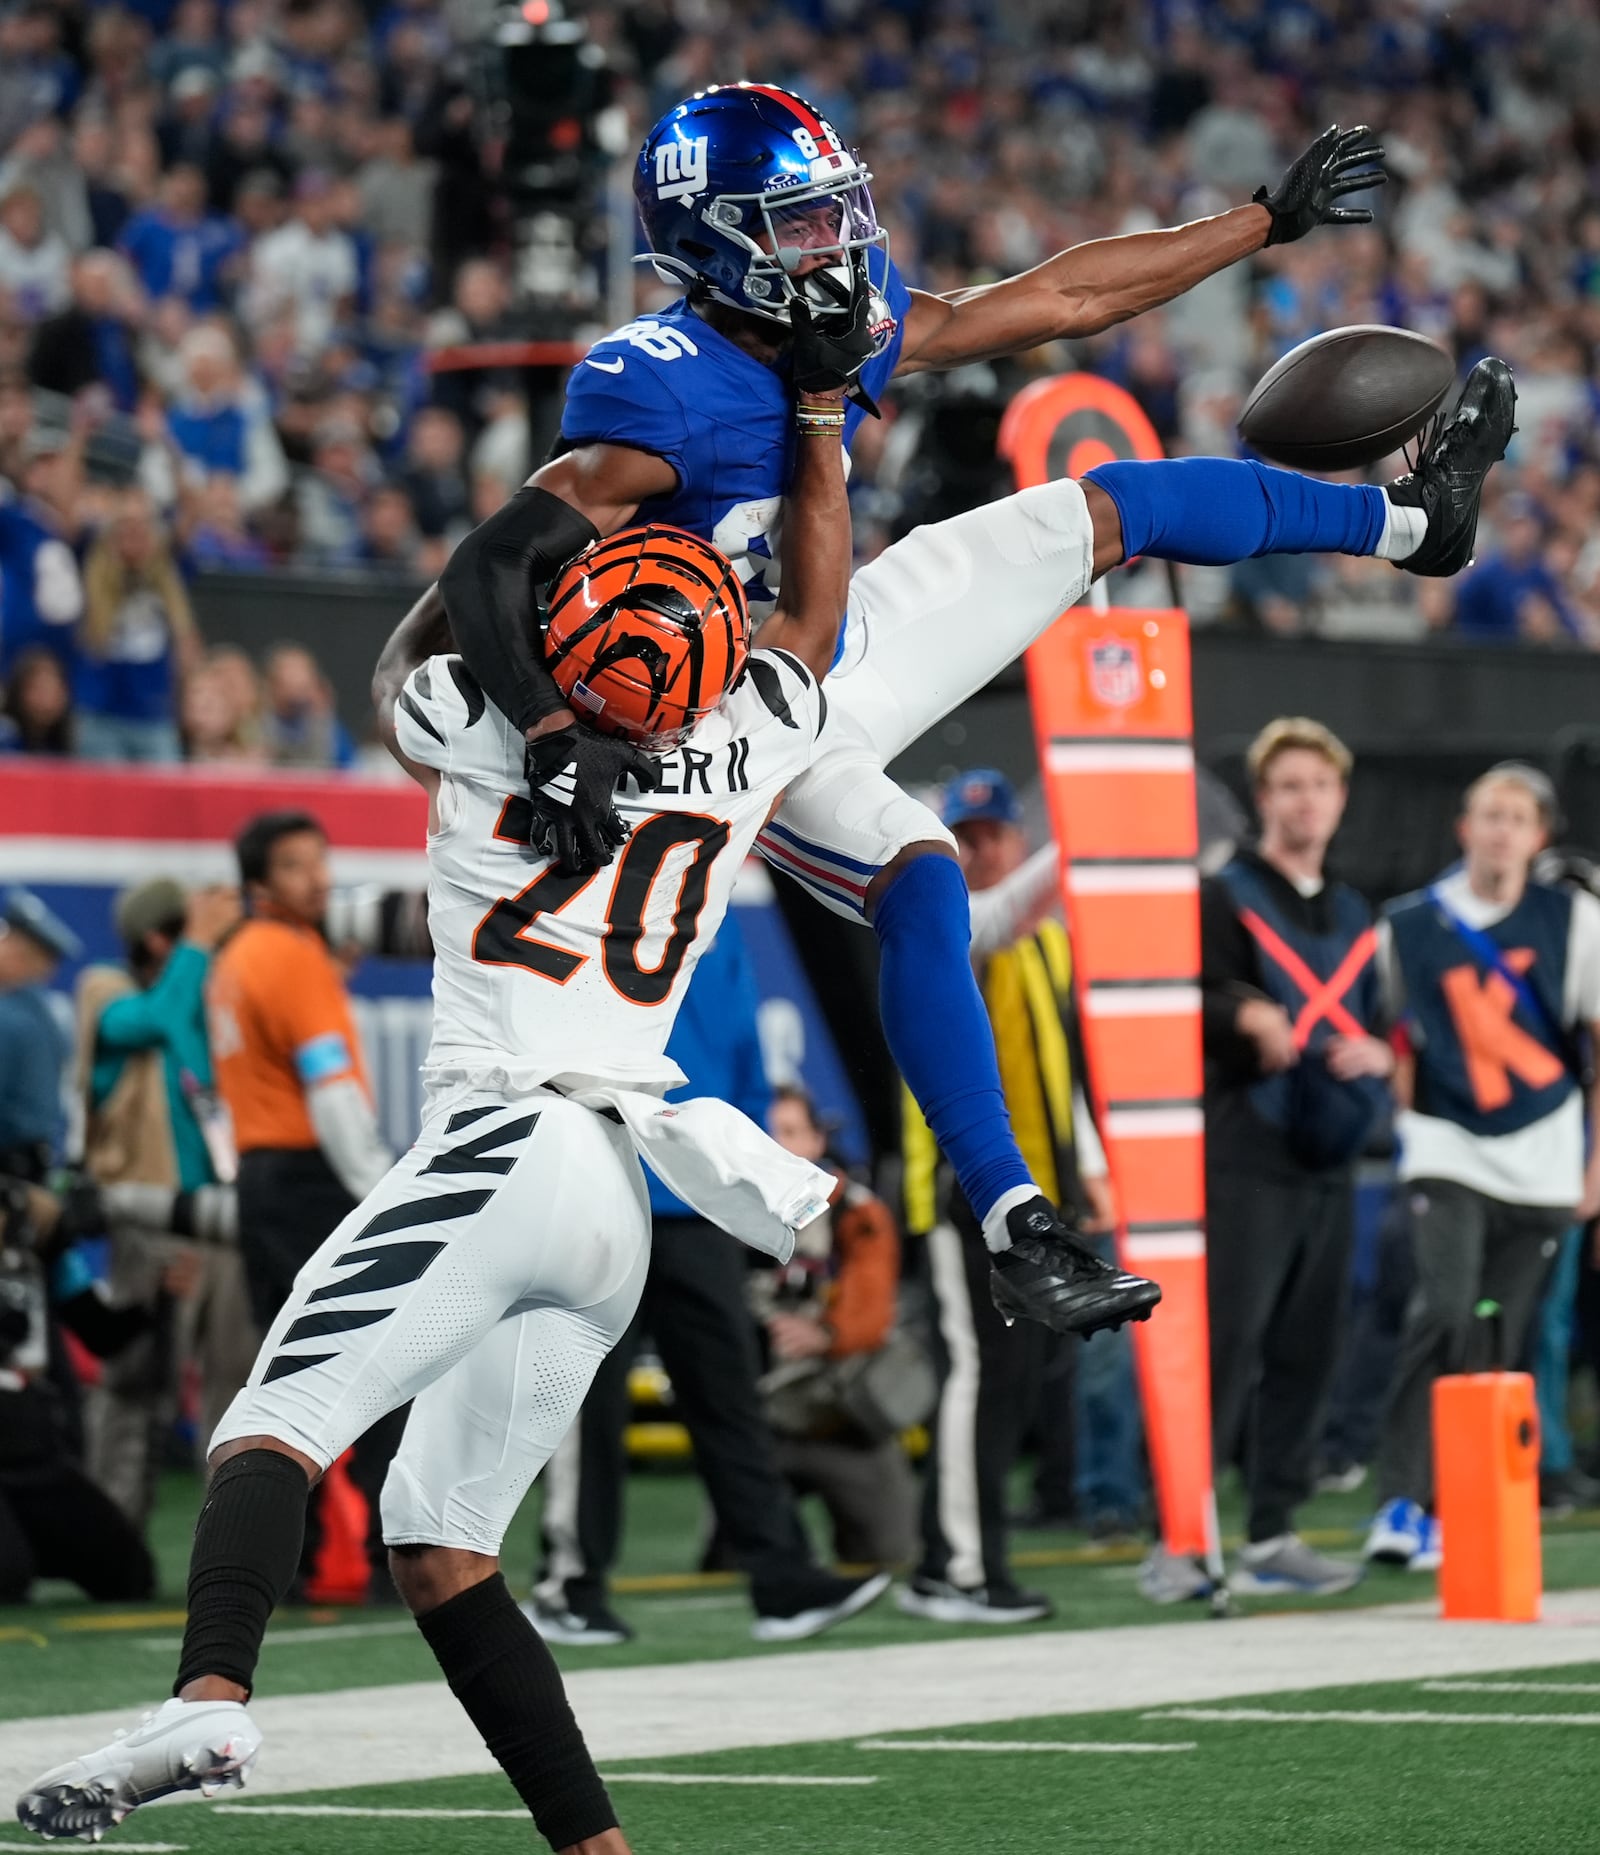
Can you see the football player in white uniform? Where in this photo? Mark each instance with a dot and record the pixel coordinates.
(503, 1256)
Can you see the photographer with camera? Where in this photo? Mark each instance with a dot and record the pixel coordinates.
(157, 1141)
(54, 1521)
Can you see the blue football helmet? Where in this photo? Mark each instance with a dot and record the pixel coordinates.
(741, 184)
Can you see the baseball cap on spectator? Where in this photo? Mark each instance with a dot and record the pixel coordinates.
(982, 793)
(148, 908)
(255, 63)
(194, 80)
(21, 912)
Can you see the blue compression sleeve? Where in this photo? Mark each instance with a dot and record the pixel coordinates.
(1211, 511)
(937, 1028)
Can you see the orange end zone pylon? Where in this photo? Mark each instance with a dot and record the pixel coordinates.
(1486, 1467)
(1110, 694)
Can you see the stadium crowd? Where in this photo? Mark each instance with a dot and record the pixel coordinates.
(231, 238)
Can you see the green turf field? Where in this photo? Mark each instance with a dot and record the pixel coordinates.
(1487, 1767)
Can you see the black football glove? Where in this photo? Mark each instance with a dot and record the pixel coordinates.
(573, 774)
(1309, 193)
(830, 350)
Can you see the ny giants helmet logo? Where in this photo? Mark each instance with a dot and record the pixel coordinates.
(681, 168)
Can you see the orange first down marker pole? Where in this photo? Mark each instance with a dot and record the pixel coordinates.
(1486, 1456)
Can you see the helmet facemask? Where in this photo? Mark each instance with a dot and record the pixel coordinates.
(775, 232)
(782, 230)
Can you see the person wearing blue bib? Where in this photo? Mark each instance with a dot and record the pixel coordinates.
(1295, 1079)
(1495, 982)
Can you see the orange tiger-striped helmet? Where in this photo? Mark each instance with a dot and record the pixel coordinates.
(648, 630)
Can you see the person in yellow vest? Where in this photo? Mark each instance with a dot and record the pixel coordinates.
(991, 1375)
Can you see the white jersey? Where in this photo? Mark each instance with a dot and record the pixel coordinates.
(540, 977)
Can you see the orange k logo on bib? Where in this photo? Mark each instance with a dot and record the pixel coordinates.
(1495, 1047)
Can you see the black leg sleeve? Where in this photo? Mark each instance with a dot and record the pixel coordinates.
(246, 1549)
(500, 1670)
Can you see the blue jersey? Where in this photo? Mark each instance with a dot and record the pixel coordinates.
(186, 261)
(41, 593)
(672, 385)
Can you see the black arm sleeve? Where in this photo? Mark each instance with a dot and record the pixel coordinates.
(489, 592)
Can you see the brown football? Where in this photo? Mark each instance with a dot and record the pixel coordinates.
(1347, 398)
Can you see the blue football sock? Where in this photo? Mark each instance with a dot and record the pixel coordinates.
(938, 1030)
(1211, 511)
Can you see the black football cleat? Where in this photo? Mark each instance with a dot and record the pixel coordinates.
(1048, 1276)
(1447, 481)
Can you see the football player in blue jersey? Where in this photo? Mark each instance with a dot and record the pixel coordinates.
(751, 200)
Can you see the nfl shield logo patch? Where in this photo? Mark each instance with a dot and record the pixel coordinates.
(1116, 677)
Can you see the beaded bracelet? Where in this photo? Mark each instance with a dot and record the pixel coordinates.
(815, 422)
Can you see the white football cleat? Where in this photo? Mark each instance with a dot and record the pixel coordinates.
(185, 1745)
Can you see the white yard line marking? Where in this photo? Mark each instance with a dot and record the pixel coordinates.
(706, 1777)
(1017, 1745)
(1372, 1716)
(1510, 1687)
(133, 1848)
(414, 1730)
(344, 1809)
(295, 1639)
(610, 1777)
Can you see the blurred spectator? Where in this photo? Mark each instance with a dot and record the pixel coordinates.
(1511, 593)
(502, 451)
(307, 265)
(42, 158)
(34, 261)
(221, 421)
(190, 42)
(397, 188)
(1493, 978)
(187, 131)
(390, 539)
(33, 1052)
(138, 635)
(1295, 1083)
(153, 1123)
(91, 342)
(104, 205)
(246, 148)
(210, 721)
(833, 1307)
(216, 538)
(41, 592)
(433, 476)
(329, 496)
(300, 726)
(177, 248)
(36, 717)
(242, 681)
(36, 80)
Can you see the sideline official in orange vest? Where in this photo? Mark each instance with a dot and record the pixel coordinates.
(1495, 982)
(1295, 1081)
